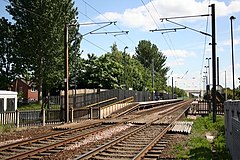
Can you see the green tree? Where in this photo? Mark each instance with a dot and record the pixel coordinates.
(39, 37)
(88, 73)
(7, 68)
(107, 71)
(148, 54)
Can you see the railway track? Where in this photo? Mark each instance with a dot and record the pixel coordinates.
(138, 144)
(39, 147)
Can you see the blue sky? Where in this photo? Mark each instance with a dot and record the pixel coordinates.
(184, 49)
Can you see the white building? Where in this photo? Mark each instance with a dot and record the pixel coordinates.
(8, 100)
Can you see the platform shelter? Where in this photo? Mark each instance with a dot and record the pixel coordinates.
(8, 100)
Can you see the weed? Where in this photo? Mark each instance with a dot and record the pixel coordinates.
(7, 128)
(198, 147)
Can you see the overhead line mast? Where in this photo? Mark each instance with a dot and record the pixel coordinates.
(213, 35)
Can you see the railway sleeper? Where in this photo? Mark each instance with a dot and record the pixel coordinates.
(27, 147)
(155, 156)
(15, 150)
(155, 152)
(43, 142)
(57, 138)
(106, 158)
(126, 148)
(115, 155)
(136, 142)
(138, 138)
(158, 147)
(37, 145)
(130, 145)
(114, 151)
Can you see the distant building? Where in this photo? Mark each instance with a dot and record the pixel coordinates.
(26, 90)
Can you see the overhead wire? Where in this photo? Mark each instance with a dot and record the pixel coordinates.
(204, 48)
(95, 45)
(94, 21)
(150, 13)
(171, 48)
(40, 16)
(86, 3)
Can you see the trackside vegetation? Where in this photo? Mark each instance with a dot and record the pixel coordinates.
(198, 146)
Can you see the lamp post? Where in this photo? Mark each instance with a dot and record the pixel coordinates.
(205, 82)
(124, 57)
(231, 19)
(206, 78)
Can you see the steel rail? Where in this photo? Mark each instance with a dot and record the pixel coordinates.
(111, 143)
(51, 135)
(141, 154)
(24, 154)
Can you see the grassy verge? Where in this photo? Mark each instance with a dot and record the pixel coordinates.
(35, 106)
(31, 106)
(7, 128)
(198, 147)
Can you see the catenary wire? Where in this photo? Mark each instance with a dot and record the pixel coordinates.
(109, 20)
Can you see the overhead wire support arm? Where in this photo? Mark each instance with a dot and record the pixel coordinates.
(91, 32)
(167, 29)
(111, 32)
(181, 17)
(204, 33)
(93, 23)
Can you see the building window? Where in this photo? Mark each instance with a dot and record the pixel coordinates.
(11, 104)
(33, 89)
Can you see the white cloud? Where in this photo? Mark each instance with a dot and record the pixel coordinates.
(178, 53)
(140, 18)
(228, 42)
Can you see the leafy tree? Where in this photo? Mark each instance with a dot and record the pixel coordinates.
(88, 73)
(237, 91)
(148, 53)
(229, 93)
(7, 67)
(39, 38)
(107, 71)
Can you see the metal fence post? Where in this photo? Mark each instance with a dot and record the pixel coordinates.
(17, 118)
(71, 113)
(90, 112)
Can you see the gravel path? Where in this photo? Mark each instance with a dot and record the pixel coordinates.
(23, 134)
